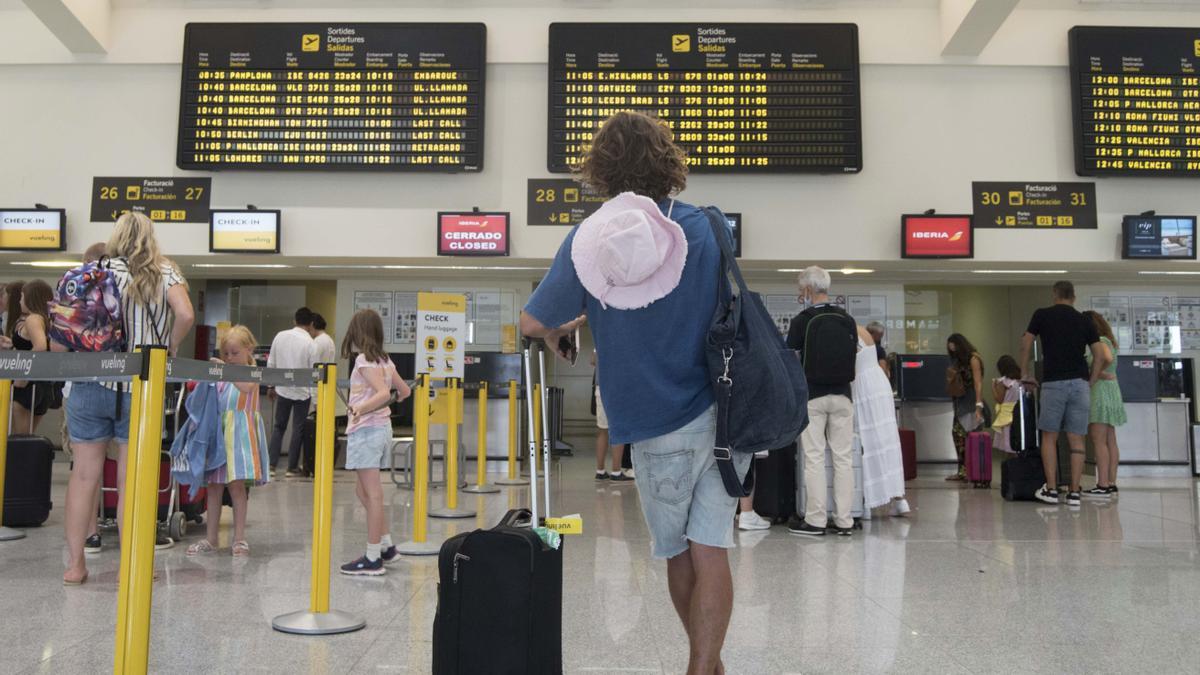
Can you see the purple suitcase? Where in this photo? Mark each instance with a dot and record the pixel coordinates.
(979, 459)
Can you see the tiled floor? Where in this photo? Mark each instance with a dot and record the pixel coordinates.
(969, 584)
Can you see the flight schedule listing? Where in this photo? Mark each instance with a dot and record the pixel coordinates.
(1136, 100)
(318, 96)
(739, 97)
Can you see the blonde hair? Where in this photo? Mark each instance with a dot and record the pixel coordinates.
(133, 239)
(242, 335)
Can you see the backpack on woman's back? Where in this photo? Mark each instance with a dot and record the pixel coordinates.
(85, 315)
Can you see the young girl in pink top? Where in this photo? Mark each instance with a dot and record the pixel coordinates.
(369, 432)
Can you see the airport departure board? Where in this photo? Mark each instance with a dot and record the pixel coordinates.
(332, 96)
(740, 97)
(1136, 100)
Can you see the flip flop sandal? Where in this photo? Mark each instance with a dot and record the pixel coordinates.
(201, 547)
(82, 580)
(241, 549)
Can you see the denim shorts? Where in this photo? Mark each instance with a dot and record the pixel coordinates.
(92, 413)
(1066, 405)
(682, 495)
(367, 446)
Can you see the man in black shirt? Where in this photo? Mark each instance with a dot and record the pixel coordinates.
(826, 338)
(1066, 383)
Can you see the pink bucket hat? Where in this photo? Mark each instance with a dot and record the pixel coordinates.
(628, 254)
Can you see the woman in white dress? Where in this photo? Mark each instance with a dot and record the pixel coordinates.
(875, 417)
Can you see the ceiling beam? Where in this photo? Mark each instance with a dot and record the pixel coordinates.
(968, 25)
(81, 25)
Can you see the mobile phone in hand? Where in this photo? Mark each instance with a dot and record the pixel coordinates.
(568, 347)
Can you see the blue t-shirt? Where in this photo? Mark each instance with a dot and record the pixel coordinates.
(652, 370)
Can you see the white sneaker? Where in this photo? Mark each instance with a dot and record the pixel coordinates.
(750, 520)
(629, 473)
(900, 508)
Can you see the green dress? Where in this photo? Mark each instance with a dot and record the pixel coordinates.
(1107, 406)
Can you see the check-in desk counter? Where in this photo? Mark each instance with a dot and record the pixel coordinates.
(924, 407)
(1156, 441)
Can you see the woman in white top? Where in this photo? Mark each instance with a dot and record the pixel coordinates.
(156, 309)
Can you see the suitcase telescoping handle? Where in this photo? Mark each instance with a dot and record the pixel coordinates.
(533, 450)
(544, 390)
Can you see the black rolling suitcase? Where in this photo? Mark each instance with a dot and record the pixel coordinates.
(500, 592)
(27, 481)
(1021, 476)
(775, 484)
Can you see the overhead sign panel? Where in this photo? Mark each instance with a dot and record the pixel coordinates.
(332, 96)
(740, 97)
(1136, 100)
(33, 229)
(1035, 205)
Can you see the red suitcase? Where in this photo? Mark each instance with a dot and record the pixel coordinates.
(979, 459)
(193, 509)
(908, 450)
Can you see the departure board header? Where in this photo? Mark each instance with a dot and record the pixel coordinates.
(740, 97)
(332, 96)
(1136, 101)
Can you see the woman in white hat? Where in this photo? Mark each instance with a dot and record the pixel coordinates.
(644, 270)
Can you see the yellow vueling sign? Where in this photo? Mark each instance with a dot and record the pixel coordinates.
(441, 334)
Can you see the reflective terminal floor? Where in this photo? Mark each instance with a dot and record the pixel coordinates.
(969, 583)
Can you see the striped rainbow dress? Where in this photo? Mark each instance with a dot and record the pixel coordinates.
(246, 456)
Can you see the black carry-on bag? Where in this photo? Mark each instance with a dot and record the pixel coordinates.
(500, 591)
(27, 477)
(1021, 476)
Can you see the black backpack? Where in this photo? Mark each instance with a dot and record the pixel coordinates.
(830, 346)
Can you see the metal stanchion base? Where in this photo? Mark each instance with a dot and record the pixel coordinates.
(509, 482)
(9, 534)
(418, 548)
(451, 513)
(481, 489)
(324, 623)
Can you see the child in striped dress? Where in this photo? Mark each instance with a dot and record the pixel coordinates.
(246, 458)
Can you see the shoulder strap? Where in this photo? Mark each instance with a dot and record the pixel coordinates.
(729, 265)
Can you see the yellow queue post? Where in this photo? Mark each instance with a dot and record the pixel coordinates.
(419, 545)
(136, 577)
(319, 619)
(481, 487)
(6, 533)
(453, 421)
(513, 477)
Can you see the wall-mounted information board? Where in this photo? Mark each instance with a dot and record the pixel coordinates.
(1136, 100)
(357, 96)
(740, 97)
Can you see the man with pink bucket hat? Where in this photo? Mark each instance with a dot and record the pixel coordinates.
(644, 270)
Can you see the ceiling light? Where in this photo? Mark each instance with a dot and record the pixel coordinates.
(1173, 272)
(844, 270)
(47, 263)
(435, 268)
(261, 266)
(1018, 272)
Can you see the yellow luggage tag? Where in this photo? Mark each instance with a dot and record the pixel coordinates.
(572, 524)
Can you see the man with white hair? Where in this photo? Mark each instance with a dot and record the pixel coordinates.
(826, 338)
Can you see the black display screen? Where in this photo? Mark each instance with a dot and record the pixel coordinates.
(1153, 237)
(1136, 100)
(332, 96)
(740, 97)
